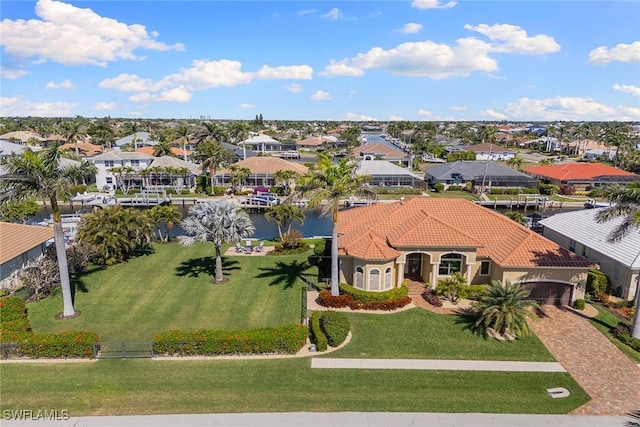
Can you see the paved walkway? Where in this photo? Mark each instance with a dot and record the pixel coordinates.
(439, 365)
(602, 370)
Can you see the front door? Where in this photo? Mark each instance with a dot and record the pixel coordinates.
(413, 266)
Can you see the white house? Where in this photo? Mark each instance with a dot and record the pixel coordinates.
(580, 233)
(105, 178)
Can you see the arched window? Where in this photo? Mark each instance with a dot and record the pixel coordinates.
(374, 280)
(358, 278)
(450, 263)
(387, 279)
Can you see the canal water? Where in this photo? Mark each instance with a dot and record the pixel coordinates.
(314, 224)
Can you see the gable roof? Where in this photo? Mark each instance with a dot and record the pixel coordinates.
(487, 147)
(85, 148)
(469, 170)
(381, 149)
(383, 167)
(580, 172)
(582, 227)
(175, 150)
(20, 238)
(449, 224)
(174, 162)
(267, 165)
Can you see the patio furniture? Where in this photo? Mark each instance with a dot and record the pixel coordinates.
(249, 247)
(239, 248)
(260, 247)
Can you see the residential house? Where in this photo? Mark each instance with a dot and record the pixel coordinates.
(85, 149)
(386, 174)
(20, 243)
(261, 170)
(489, 151)
(380, 151)
(262, 143)
(480, 173)
(176, 151)
(581, 176)
(141, 139)
(581, 147)
(428, 239)
(173, 173)
(317, 142)
(132, 162)
(23, 136)
(579, 232)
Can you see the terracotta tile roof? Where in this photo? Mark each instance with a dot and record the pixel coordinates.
(147, 149)
(378, 149)
(16, 239)
(85, 148)
(578, 171)
(267, 165)
(447, 224)
(372, 247)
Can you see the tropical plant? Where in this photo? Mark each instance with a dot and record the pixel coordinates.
(284, 178)
(30, 174)
(210, 153)
(116, 233)
(219, 222)
(505, 308)
(164, 217)
(18, 210)
(162, 148)
(453, 287)
(517, 216)
(133, 127)
(327, 187)
(40, 276)
(237, 175)
(72, 133)
(515, 162)
(284, 214)
(182, 132)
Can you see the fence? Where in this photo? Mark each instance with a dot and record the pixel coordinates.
(122, 350)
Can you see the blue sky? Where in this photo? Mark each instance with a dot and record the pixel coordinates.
(324, 60)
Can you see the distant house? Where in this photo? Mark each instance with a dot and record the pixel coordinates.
(581, 147)
(492, 174)
(580, 233)
(20, 243)
(262, 143)
(317, 142)
(132, 162)
(85, 149)
(23, 136)
(168, 172)
(261, 170)
(141, 139)
(176, 151)
(428, 239)
(386, 174)
(380, 151)
(582, 176)
(488, 151)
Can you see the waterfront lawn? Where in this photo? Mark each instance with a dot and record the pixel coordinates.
(605, 322)
(421, 334)
(171, 289)
(452, 195)
(125, 387)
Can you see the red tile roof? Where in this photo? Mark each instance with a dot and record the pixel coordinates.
(577, 171)
(174, 150)
(446, 224)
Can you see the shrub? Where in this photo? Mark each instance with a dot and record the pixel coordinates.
(286, 339)
(453, 287)
(317, 336)
(598, 283)
(319, 248)
(60, 345)
(475, 291)
(366, 296)
(219, 191)
(549, 189)
(398, 190)
(529, 191)
(579, 304)
(496, 191)
(623, 332)
(513, 191)
(335, 326)
(77, 189)
(567, 190)
(432, 297)
(439, 187)
(328, 300)
(455, 188)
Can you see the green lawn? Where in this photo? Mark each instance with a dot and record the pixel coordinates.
(171, 289)
(420, 334)
(604, 321)
(453, 195)
(118, 387)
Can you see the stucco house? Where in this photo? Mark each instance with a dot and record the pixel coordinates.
(582, 176)
(492, 174)
(580, 233)
(380, 151)
(387, 174)
(488, 151)
(105, 178)
(20, 243)
(261, 171)
(428, 239)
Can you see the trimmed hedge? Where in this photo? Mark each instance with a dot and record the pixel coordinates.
(623, 332)
(317, 336)
(340, 301)
(286, 339)
(335, 326)
(19, 341)
(365, 296)
(579, 304)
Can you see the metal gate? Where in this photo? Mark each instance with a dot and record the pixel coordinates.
(122, 350)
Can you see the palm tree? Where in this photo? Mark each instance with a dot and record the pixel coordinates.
(517, 216)
(284, 214)
(515, 162)
(327, 186)
(627, 205)
(167, 215)
(45, 175)
(133, 127)
(284, 178)
(504, 308)
(220, 222)
(210, 153)
(182, 132)
(237, 175)
(162, 148)
(238, 132)
(71, 132)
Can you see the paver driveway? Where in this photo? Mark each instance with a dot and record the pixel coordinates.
(602, 370)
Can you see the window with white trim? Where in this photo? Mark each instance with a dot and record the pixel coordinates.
(358, 278)
(374, 280)
(450, 263)
(388, 283)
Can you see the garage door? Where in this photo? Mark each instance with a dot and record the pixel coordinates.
(549, 293)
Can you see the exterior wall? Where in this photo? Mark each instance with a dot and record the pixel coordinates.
(348, 267)
(621, 276)
(573, 276)
(103, 171)
(16, 263)
(431, 261)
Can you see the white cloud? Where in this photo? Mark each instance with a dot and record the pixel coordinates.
(293, 87)
(65, 84)
(341, 68)
(458, 108)
(358, 117)
(298, 72)
(493, 114)
(127, 83)
(248, 106)
(395, 118)
(620, 52)
(104, 106)
(568, 109)
(70, 35)
(633, 90)
(11, 73)
(306, 12)
(511, 38)
(422, 112)
(320, 95)
(135, 113)
(411, 28)
(333, 14)
(432, 4)
(15, 106)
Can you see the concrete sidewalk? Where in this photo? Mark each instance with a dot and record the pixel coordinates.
(439, 365)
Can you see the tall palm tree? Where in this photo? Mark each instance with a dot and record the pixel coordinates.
(219, 222)
(284, 178)
(71, 132)
(238, 132)
(627, 205)
(284, 214)
(164, 215)
(133, 127)
(210, 153)
(327, 186)
(162, 148)
(182, 132)
(504, 308)
(44, 174)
